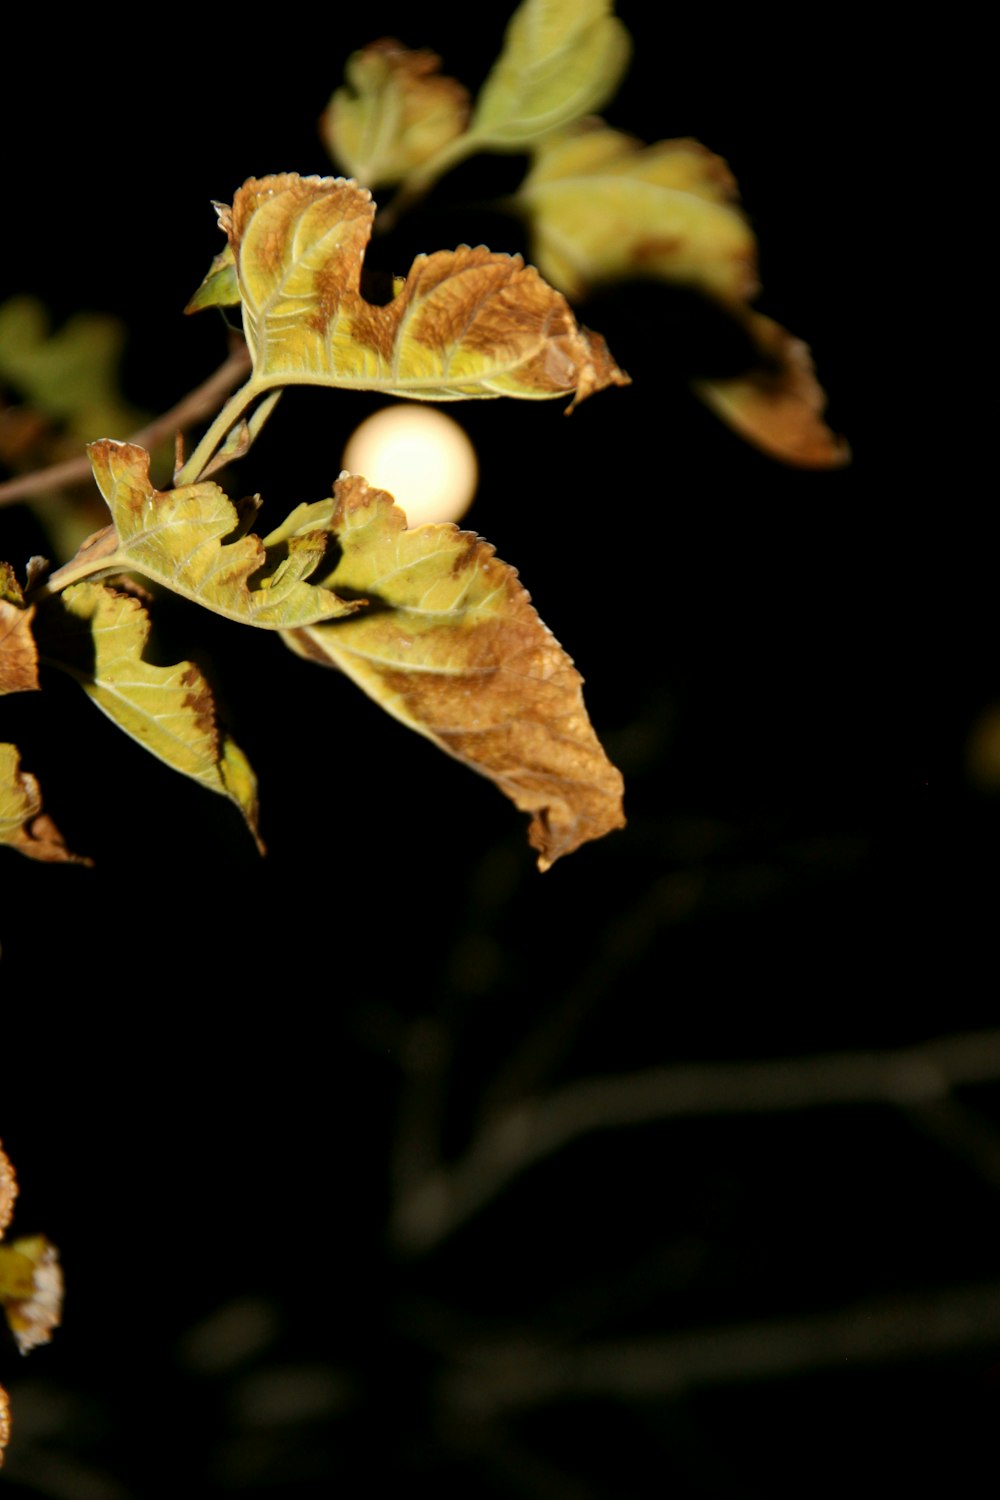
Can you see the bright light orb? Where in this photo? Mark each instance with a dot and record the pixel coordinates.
(422, 457)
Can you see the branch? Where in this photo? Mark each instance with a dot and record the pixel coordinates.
(191, 408)
(877, 1331)
(526, 1133)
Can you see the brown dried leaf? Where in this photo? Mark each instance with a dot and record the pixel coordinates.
(8, 1190)
(23, 825)
(454, 649)
(18, 653)
(778, 405)
(466, 323)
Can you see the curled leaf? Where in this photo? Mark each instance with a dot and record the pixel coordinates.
(178, 538)
(18, 654)
(779, 404)
(170, 711)
(453, 648)
(466, 322)
(396, 112)
(23, 825)
(560, 59)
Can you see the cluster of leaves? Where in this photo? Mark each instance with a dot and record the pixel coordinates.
(30, 1286)
(426, 619)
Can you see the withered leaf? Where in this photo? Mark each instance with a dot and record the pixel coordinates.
(18, 653)
(560, 59)
(178, 538)
(23, 825)
(466, 322)
(604, 207)
(396, 112)
(170, 711)
(778, 405)
(456, 651)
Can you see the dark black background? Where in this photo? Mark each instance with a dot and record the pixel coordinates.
(204, 1057)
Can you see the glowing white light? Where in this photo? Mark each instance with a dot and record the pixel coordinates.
(421, 456)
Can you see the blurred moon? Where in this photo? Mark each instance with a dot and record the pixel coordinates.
(421, 456)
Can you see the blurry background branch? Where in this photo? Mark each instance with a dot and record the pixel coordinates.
(912, 1078)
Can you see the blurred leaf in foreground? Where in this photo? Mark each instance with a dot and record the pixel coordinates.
(452, 647)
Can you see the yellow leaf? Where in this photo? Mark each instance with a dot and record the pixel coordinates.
(560, 59)
(396, 112)
(778, 405)
(170, 711)
(466, 322)
(454, 649)
(23, 825)
(177, 537)
(604, 207)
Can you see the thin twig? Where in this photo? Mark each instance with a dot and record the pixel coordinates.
(195, 405)
(523, 1134)
(510, 1375)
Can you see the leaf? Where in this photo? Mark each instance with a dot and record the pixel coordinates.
(18, 655)
(560, 59)
(454, 649)
(603, 207)
(70, 375)
(8, 1190)
(778, 406)
(31, 1289)
(220, 287)
(23, 825)
(170, 711)
(466, 322)
(177, 537)
(396, 112)
(4, 1422)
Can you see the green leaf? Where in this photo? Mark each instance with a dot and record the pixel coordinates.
(396, 112)
(453, 648)
(23, 825)
(178, 538)
(70, 375)
(561, 59)
(466, 322)
(170, 711)
(220, 287)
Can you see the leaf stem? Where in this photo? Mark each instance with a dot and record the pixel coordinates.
(196, 404)
(227, 419)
